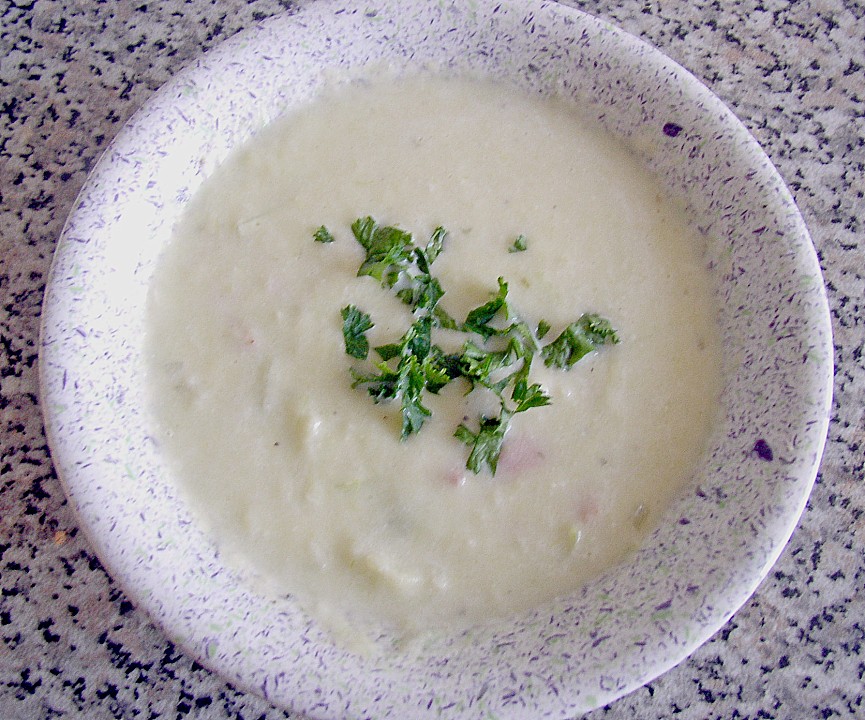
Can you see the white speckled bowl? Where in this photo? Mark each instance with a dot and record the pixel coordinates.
(586, 650)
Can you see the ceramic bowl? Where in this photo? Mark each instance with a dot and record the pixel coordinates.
(619, 631)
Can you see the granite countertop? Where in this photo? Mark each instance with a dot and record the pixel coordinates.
(73, 71)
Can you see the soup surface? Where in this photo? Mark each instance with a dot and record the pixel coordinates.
(305, 479)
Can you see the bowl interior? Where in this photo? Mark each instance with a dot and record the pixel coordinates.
(718, 540)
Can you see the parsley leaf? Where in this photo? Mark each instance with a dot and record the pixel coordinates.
(521, 244)
(388, 250)
(363, 229)
(439, 370)
(577, 340)
(478, 320)
(529, 396)
(478, 365)
(322, 235)
(422, 293)
(410, 387)
(355, 323)
(486, 443)
(436, 244)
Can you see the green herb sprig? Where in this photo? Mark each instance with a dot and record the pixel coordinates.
(520, 244)
(497, 355)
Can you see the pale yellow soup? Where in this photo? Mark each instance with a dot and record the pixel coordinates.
(304, 480)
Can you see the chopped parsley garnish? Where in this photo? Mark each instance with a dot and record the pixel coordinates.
(577, 340)
(389, 250)
(322, 235)
(486, 443)
(355, 323)
(497, 355)
(520, 244)
(543, 329)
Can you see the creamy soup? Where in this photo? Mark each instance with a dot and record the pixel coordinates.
(303, 478)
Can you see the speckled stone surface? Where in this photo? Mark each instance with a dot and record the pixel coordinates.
(73, 645)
